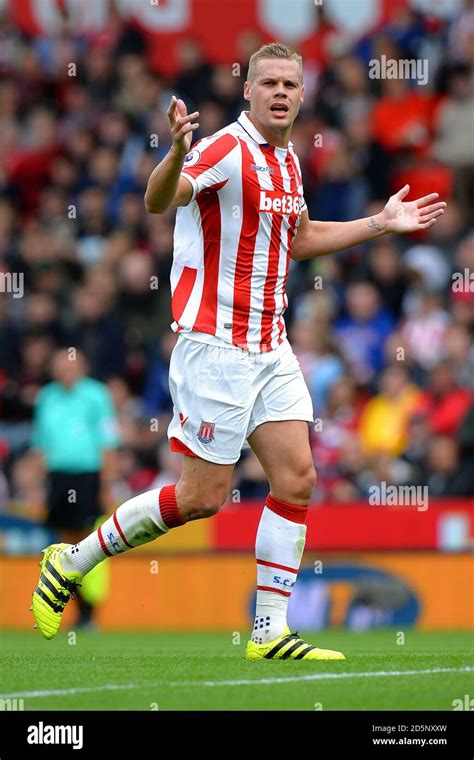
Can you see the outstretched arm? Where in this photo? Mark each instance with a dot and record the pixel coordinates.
(319, 238)
(166, 188)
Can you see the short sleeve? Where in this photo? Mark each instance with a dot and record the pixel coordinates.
(211, 162)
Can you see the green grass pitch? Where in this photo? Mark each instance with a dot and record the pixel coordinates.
(207, 671)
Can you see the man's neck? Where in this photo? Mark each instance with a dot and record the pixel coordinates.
(277, 137)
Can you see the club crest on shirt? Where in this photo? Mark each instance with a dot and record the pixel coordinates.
(192, 157)
(206, 432)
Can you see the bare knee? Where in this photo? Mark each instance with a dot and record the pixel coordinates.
(198, 503)
(296, 486)
(209, 504)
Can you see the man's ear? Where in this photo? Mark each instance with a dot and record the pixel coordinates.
(246, 91)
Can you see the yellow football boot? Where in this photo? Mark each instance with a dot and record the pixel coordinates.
(54, 589)
(289, 646)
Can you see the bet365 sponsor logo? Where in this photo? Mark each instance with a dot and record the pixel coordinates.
(45, 734)
(272, 200)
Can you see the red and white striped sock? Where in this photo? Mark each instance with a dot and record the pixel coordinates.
(137, 521)
(281, 537)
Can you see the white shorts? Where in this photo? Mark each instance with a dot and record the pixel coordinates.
(222, 393)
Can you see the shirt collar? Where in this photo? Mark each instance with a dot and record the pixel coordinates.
(252, 130)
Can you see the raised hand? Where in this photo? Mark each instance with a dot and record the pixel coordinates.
(399, 216)
(181, 125)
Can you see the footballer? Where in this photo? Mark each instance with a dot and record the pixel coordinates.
(234, 379)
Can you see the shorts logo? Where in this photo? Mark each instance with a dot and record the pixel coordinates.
(206, 432)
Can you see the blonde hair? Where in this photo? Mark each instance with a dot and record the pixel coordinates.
(273, 50)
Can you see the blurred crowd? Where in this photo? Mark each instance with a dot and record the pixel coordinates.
(383, 335)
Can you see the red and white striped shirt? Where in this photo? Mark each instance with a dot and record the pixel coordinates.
(232, 242)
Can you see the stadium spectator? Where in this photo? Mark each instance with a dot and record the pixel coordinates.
(402, 118)
(453, 134)
(445, 474)
(444, 404)
(424, 331)
(362, 332)
(383, 424)
(329, 437)
(386, 272)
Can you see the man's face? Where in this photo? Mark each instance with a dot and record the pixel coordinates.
(66, 370)
(275, 92)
